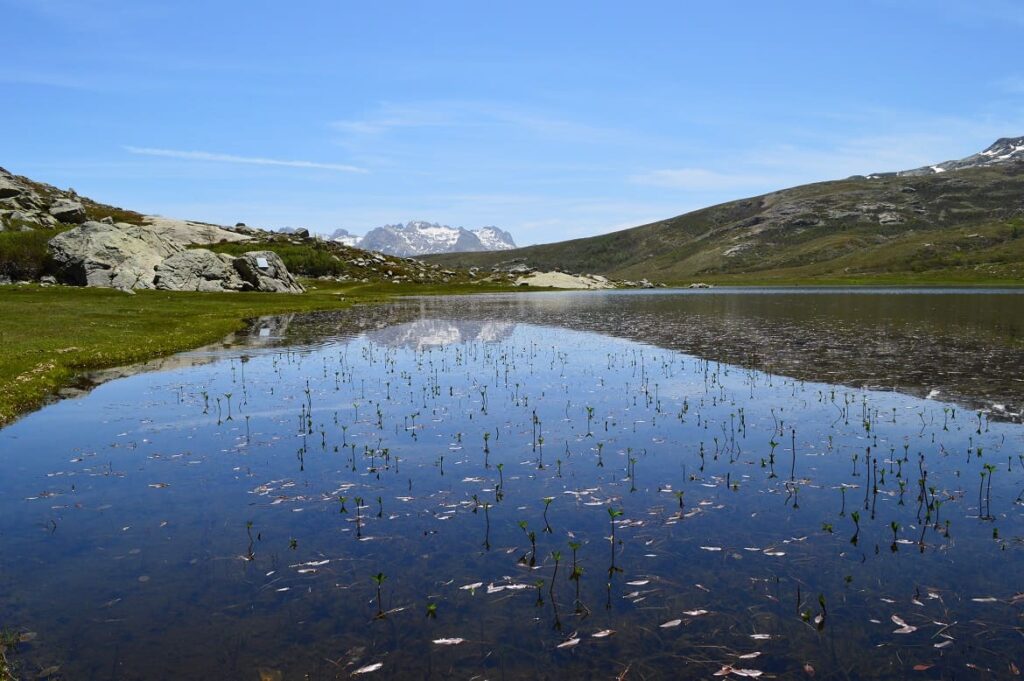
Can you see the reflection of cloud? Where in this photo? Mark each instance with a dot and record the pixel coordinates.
(432, 333)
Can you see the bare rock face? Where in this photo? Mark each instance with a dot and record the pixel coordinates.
(109, 256)
(67, 211)
(265, 271)
(199, 270)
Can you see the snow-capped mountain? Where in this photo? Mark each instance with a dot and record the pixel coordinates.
(1004, 150)
(345, 238)
(420, 238)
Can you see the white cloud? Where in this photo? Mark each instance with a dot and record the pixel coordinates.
(229, 158)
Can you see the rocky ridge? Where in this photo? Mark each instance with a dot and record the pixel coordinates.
(421, 238)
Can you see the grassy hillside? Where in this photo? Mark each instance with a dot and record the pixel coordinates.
(962, 226)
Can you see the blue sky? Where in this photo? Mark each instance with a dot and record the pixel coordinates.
(551, 119)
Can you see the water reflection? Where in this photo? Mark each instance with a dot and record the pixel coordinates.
(954, 345)
(224, 515)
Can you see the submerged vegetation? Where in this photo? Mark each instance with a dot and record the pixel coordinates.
(753, 524)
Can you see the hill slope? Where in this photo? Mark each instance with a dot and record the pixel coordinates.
(962, 222)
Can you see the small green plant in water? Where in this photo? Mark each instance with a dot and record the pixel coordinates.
(379, 581)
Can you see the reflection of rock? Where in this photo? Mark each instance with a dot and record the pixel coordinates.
(429, 333)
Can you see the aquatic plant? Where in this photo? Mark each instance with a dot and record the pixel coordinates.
(547, 503)
(378, 579)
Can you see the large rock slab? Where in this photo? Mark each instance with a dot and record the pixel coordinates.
(265, 271)
(96, 254)
(563, 280)
(68, 212)
(189, 232)
(199, 270)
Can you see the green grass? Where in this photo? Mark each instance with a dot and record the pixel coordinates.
(23, 255)
(52, 334)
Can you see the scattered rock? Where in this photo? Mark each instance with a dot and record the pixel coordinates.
(67, 211)
(9, 188)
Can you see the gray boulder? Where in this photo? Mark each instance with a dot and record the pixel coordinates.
(95, 254)
(67, 211)
(9, 188)
(265, 271)
(199, 270)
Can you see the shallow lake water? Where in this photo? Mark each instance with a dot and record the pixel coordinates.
(773, 484)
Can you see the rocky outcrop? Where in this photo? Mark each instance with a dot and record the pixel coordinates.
(199, 270)
(67, 211)
(131, 257)
(563, 280)
(265, 271)
(96, 254)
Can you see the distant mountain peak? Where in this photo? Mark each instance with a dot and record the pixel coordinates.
(1003, 150)
(421, 237)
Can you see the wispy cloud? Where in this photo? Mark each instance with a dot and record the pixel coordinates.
(697, 179)
(230, 158)
(471, 114)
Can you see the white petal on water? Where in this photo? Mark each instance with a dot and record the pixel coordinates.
(568, 644)
(368, 668)
(695, 613)
(639, 582)
(711, 548)
(448, 641)
(604, 633)
(670, 623)
(472, 587)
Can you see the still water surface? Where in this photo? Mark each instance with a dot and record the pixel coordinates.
(756, 483)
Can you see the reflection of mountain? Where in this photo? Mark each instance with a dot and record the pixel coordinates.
(969, 347)
(427, 333)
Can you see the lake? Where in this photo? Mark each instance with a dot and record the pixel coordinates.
(749, 483)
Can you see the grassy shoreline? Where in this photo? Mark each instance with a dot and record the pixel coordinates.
(51, 335)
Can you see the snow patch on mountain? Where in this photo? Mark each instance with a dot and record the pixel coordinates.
(1003, 150)
(419, 237)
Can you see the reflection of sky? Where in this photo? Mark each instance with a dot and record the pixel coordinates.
(100, 456)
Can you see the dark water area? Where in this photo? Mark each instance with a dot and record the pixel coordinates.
(581, 485)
